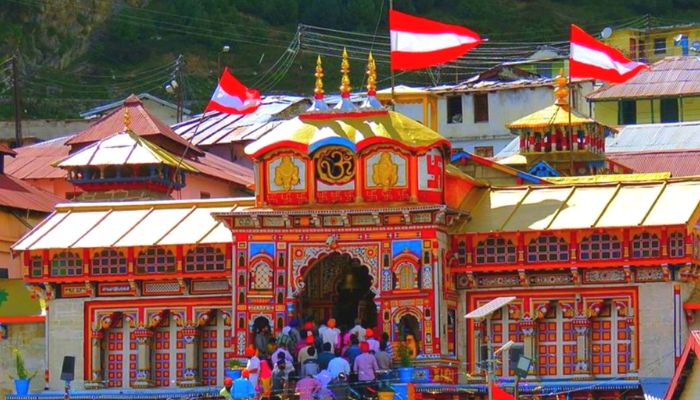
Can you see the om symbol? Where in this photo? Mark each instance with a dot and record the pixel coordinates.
(335, 165)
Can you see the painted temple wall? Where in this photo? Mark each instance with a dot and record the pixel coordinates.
(66, 324)
(29, 338)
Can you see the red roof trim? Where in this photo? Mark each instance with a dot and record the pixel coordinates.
(335, 115)
(693, 344)
(19, 320)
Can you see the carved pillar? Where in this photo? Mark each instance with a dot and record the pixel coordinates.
(144, 340)
(527, 328)
(582, 327)
(190, 376)
(96, 380)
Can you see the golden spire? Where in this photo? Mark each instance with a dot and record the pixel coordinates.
(371, 76)
(127, 119)
(318, 89)
(561, 91)
(345, 80)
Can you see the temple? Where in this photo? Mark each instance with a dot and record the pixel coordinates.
(359, 214)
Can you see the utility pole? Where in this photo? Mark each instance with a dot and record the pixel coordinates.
(18, 102)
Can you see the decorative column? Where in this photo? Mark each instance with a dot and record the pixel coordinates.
(96, 380)
(527, 328)
(190, 376)
(144, 339)
(582, 327)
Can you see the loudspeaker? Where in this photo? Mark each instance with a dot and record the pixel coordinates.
(68, 369)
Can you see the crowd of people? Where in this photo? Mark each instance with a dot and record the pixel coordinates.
(313, 361)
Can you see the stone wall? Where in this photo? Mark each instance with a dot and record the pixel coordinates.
(66, 325)
(29, 338)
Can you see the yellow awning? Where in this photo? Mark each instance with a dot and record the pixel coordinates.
(123, 224)
(554, 115)
(568, 180)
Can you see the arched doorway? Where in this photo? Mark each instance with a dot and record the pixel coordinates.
(338, 286)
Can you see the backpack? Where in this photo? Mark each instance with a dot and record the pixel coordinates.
(286, 341)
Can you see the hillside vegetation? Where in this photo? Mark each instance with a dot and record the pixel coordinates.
(75, 54)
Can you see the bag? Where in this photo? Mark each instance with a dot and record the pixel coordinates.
(286, 341)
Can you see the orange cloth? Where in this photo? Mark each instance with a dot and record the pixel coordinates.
(249, 352)
(369, 333)
(310, 339)
(331, 323)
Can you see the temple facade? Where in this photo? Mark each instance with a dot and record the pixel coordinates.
(359, 214)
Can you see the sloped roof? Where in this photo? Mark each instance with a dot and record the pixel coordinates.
(352, 130)
(463, 155)
(142, 123)
(6, 150)
(219, 128)
(99, 109)
(683, 377)
(677, 162)
(36, 162)
(123, 148)
(554, 115)
(671, 76)
(121, 224)
(667, 202)
(16, 193)
(655, 137)
(643, 177)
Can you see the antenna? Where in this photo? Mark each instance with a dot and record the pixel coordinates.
(606, 32)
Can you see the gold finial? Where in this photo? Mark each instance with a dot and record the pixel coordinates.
(371, 76)
(345, 80)
(318, 89)
(561, 91)
(127, 119)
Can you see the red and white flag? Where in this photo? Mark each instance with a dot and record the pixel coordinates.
(590, 58)
(500, 394)
(232, 97)
(421, 43)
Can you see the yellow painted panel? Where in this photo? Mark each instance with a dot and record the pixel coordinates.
(621, 213)
(605, 112)
(18, 302)
(584, 207)
(493, 210)
(538, 208)
(676, 204)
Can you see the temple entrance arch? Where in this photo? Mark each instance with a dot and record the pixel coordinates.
(338, 286)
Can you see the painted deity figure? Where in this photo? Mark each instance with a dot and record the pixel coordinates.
(385, 173)
(286, 173)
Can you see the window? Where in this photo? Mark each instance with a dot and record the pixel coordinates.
(36, 267)
(481, 108)
(645, 245)
(547, 248)
(483, 151)
(676, 247)
(633, 48)
(203, 259)
(109, 262)
(495, 251)
(454, 109)
(660, 46)
(462, 253)
(628, 112)
(204, 195)
(4, 273)
(261, 276)
(66, 264)
(155, 260)
(406, 276)
(600, 246)
(669, 110)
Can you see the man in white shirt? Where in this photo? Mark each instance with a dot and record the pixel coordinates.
(338, 365)
(330, 334)
(371, 341)
(358, 330)
(253, 366)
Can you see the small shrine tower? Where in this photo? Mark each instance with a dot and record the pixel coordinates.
(558, 140)
(125, 166)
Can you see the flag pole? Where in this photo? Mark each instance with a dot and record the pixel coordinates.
(571, 129)
(393, 107)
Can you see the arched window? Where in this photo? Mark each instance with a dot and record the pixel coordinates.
(207, 258)
(495, 250)
(155, 260)
(600, 246)
(406, 275)
(36, 267)
(462, 252)
(66, 264)
(645, 245)
(676, 244)
(261, 276)
(109, 262)
(547, 248)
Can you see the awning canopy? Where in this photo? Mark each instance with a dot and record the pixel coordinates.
(124, 224)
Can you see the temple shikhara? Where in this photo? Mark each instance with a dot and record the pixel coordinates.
(360, 213)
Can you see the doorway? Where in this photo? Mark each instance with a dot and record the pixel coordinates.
(338, 286)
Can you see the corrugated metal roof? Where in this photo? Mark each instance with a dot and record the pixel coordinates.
(671, 76)
(22, 195)
(99, 109)
(654, 137)
(677, 162)
(220, 128)
(142, 123)
(145, 223)
(123, 148)
(667, 202)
